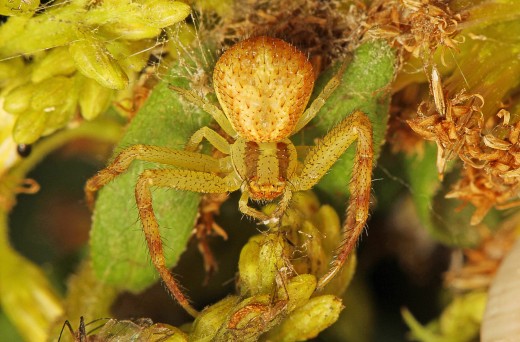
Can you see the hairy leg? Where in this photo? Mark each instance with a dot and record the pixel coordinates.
(283, 204)
(321, 158)
(185, 159)
(213, 137)
(177, 179)
(319, 101)
(209, 108)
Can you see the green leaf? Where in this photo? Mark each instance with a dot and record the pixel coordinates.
(365, 86)
(119, 252)
(443, 218)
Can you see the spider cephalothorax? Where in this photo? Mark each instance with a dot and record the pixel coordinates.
(263, 86)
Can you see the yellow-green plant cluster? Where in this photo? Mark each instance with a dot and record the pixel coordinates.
(74, 55)
(277, 299)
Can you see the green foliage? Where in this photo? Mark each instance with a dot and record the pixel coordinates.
(107, 42)
(459, 322)
(119, 252)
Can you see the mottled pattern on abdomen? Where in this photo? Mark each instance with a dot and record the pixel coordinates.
(265, 93)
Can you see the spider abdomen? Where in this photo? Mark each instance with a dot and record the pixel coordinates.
(263, 85)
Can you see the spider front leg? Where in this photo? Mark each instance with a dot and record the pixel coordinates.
(208, 107)
(182, 180)
(283, 204)
(213, 137)
(185, 159)
(321, 158)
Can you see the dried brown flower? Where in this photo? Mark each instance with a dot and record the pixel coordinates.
(491, 157)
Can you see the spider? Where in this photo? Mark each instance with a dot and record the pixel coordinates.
(263, 85)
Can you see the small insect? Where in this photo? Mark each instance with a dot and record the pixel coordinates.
(263, 86)
(142, 329)
(79, 335)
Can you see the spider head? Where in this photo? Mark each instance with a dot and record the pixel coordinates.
(265, 168)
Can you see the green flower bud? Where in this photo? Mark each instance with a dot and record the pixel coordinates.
(57, 62)
(206, 325)
(328, 223)
(251, 318)
(464, 315)
(18, 7)
(298, 291)
(52, 28)
(163, 13)
(260, 263)
(132, 30)
(129, 54)
(121, 19)
(11, 69)
(62, 114)
(162, 332)
(51, 93)
(93, 60)
(308, 321)
(95, 99)
(460, 320)
(29, 126)
(57, 97)
(18, 99)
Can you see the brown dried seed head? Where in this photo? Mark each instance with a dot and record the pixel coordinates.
(263, 85)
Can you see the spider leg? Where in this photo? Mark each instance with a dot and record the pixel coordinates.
(209, 108)
(244, 207)
(283, 204)
(213, 137)
(281, 208)
(182, 180)
(185, 159)
(319, 160)
(319, 101)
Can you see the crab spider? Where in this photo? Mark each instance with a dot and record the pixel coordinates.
(263, 86)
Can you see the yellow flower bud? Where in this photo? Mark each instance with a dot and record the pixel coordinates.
(251, 318)
(163, 13)
(57, 62)
(327, 221)
(93, 60)
(19, 7)
(261, 261)
(298, 291)
(29, 126)
(162, 332)
(206, 325)
(51, 93)
(131, 30)
(18, 99)
(94, 99)
(309, 320)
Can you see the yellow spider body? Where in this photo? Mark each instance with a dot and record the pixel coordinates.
(266, 92)
(263, 86)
